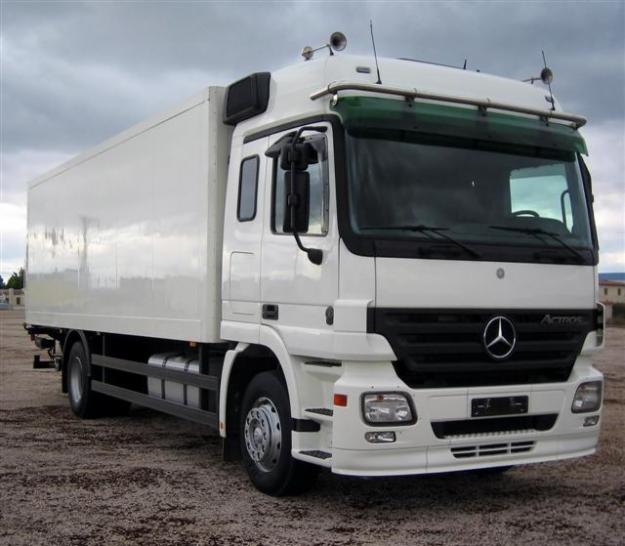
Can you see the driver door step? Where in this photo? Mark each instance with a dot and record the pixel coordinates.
(321, 415)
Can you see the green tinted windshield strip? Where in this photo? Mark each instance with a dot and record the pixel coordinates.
(469, 123)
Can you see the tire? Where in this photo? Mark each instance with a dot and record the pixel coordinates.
(265, 435)
(81, 399)
(85, 403)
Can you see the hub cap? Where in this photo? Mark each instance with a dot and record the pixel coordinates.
(75, 379)
(263, 434)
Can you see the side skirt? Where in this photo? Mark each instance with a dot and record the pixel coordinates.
(190, 414)
(207, 383)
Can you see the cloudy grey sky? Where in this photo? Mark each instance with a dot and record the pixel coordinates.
(75, 73)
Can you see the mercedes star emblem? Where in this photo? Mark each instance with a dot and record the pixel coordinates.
(499, 338)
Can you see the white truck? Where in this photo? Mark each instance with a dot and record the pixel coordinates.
(378, 274)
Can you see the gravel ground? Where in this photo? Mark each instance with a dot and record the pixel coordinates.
(151, 479)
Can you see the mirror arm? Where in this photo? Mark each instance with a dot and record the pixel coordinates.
(315, 255)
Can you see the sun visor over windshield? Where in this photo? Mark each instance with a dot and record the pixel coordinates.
(372, 113)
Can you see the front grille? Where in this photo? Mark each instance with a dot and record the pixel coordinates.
(488, 450)
(445, 348)
(497, 425)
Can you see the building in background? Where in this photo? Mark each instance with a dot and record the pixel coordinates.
(11, 298)
(611, 291)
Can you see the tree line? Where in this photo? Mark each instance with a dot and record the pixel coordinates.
(16, 280)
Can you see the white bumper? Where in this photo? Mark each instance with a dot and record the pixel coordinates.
(417, 450)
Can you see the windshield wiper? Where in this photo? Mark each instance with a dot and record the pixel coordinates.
(437, 230)
(537, 232)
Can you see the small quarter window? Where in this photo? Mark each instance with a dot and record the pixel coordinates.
(248, 186)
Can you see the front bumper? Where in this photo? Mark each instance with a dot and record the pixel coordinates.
(417, 449)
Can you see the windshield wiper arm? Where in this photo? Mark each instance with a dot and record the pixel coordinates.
(537, 232)
(437, 230)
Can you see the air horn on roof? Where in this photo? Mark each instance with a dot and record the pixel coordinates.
(337, 42)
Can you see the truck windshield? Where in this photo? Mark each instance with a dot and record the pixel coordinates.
(404, 186)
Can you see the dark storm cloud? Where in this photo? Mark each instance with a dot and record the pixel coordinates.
(74, 73)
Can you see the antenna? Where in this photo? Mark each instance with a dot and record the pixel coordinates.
(547, 77)
(375, 55)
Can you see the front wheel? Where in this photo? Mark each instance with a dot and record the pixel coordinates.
(265, 433)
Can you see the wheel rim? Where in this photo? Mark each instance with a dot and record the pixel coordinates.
(76, 380)
(263, 434)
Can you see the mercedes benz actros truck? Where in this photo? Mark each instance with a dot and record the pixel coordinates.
(380, 271)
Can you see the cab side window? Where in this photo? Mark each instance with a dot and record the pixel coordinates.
(248, 189)
(319, 190)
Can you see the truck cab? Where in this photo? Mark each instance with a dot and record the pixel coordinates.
(450, 321)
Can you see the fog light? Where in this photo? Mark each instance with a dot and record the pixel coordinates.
(387, 407)
(591, 421)
(380, 437)
(587, 397)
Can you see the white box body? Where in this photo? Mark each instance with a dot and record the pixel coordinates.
(127, 237)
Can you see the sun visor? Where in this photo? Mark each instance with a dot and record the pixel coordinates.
(428, 118)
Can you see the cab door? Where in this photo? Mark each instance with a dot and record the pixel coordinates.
(243, 230)
(297, 295)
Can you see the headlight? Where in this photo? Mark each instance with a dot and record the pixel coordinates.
(383, 408)
(587, 397)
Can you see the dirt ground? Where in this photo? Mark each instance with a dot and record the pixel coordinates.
(151, 479)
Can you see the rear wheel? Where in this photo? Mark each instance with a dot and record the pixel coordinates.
(84, 402)
(81, 399)
(265, 433)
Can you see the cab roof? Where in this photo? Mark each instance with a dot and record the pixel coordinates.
(291, 87)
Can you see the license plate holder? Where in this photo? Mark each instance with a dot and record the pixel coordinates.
(499, 405)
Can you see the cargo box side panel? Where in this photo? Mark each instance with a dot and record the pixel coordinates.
(118, 242)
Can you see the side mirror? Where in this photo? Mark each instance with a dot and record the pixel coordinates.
(302, 154)
(294, 157)
(296, 202)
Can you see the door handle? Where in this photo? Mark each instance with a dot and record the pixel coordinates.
(270, 311)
